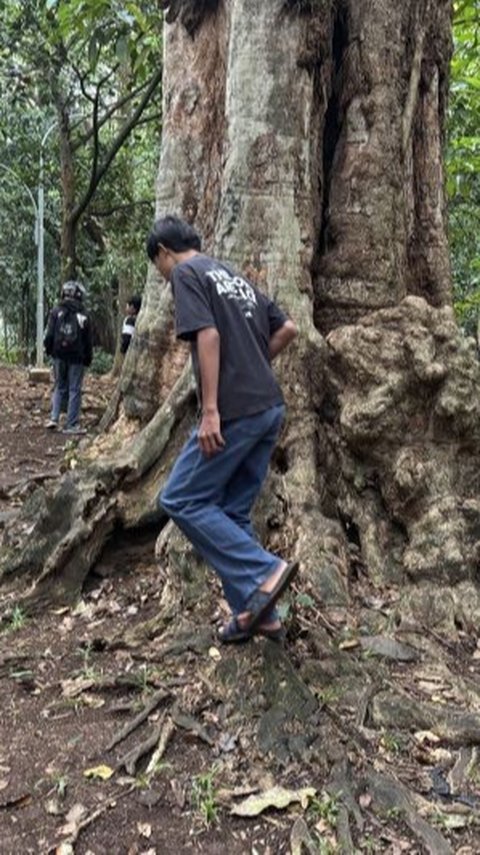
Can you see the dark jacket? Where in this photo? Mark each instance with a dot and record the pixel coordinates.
(84, 349)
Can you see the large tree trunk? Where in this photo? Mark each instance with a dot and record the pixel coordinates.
(304, 139)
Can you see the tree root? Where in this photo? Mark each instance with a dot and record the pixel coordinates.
(149, 707)
(397, 710)
(111, 411)
(58, 536)
(131, 758)
(390, 795)
(166, 734)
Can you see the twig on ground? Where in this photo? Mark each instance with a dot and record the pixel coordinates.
(154, 701)
(131, 758)
(167, 731)
(84, 823)
(187, 722)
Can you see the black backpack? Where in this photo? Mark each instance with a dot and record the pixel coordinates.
(66, 338)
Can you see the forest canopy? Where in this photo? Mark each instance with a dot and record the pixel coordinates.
(80, 90)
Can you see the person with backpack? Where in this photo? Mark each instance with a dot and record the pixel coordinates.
(235, 331)
(68, 340)
(133, 307)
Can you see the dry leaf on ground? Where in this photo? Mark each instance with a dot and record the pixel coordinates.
(277, 797)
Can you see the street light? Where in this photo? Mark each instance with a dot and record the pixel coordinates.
(40, 251)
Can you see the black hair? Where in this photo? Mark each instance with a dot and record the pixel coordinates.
(135, 301)
(173, 233)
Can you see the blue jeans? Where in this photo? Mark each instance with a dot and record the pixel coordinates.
(211, 498)
(67, 391)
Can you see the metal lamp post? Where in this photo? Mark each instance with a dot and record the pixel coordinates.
(40, 250)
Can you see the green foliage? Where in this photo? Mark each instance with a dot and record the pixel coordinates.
(18, 619)
(392, 742)
(463, 162)
(204, 796)
(326, 808)
(9, 355)
(76, 71)
(102, 361)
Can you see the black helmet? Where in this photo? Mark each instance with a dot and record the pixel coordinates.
(74, 290)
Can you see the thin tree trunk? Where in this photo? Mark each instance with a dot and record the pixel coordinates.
(67, 177)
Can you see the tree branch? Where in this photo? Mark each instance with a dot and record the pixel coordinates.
(109, 113)
(118, 208)
(124, 133)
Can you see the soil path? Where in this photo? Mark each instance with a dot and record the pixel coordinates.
(63, 696)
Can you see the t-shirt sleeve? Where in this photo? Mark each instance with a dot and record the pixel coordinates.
(193, 311)
(276, 318)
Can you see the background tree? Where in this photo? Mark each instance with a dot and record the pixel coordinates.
(463, 163)
(84, 77)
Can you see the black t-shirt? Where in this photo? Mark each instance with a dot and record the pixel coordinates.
(208, 293)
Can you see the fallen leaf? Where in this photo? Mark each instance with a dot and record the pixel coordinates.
(214, 653)
(277, 797)
(454, 821)
(93, 701)
(53, 808)
(365, 800)
(103, 772)
(67, 624)
(422, 736)
(349, 644)
(3, 784)
(73, 818)
(227, 742)
(64, 849)
(71, 688)
(145, 829)
(80, 608)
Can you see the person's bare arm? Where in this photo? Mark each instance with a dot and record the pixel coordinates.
(208, 351)
(281, 338)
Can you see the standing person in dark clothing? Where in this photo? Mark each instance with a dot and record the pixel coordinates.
(234, 331)
(133, 307)
(68, 340)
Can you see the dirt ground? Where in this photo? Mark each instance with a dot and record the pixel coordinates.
(63, 697)
(82, 713)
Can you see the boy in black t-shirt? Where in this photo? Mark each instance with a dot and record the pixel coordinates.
(234, 331)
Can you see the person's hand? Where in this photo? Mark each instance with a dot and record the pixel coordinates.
(210, 438)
